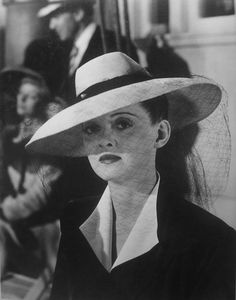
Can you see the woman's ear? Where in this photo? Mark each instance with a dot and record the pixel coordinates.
(163, 134)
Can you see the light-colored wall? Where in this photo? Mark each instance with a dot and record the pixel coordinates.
(27, 27)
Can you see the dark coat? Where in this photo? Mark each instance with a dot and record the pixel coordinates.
(49, 57)
(194, 259)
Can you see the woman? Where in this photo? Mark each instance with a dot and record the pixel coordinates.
(23, 193)
(141, 239)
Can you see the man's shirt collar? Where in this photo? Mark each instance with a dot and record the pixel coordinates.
(84, 38)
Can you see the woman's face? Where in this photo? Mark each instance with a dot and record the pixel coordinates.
(121, 143)
(27, 100)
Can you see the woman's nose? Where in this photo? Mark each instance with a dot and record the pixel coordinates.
(107, 140)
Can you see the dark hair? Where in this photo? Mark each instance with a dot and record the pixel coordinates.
(157, 108)
(180, 167)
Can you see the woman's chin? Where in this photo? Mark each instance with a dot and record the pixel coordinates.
(107, 171)
(110, 174)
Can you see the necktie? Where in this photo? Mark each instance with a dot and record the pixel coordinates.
(72, 64)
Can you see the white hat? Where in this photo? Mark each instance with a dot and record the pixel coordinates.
(113, 81)
(54, 6)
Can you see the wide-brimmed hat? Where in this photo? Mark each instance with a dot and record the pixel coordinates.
(113, 81)
(11, 76)
(55, 6)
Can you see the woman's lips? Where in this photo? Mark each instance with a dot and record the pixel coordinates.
(109, 158)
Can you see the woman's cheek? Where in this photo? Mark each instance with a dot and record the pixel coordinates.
(90, 147)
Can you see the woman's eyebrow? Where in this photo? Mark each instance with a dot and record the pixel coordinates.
(123, 113)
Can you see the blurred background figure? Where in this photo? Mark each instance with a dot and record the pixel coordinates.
(24, 194)
(48, 56)
(80, 40)
(162, 61)
(18, 101)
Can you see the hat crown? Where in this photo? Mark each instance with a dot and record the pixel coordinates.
(104, 68)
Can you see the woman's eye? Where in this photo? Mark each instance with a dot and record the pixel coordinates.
(123, 124)
(91, 129)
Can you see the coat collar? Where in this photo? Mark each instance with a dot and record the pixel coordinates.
(97, 229)
(179, 221)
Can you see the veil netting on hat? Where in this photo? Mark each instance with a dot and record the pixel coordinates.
(198, 158)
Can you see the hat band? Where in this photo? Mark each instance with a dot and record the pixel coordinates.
(111, 84)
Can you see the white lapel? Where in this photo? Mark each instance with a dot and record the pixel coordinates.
(143, 236)
(97, 229)
(81, 44)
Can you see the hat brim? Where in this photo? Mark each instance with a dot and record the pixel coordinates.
(189, 99)
(11, 76)
(48, 10)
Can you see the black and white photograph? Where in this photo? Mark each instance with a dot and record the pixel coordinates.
(117, 150)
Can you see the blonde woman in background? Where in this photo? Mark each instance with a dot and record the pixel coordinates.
(24, 246)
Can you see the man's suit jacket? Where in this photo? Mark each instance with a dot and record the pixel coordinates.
(194, 259)
(49, 57)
